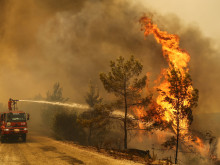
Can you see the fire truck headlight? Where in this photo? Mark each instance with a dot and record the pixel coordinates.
(6, 129)
(25, 129)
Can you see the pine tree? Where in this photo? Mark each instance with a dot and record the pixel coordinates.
(181, 97)
(123, 81)
(96, 118)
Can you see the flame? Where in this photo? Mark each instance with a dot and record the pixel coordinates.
(140, 113)
(169, 42)
(177, 58)
(199, 142)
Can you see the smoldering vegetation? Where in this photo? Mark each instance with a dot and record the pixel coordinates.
(47, 41)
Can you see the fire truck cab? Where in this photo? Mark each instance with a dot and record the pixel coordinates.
(13, 124)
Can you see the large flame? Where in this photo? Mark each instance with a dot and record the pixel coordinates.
(177, 58)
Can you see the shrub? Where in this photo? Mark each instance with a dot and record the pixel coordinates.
(66, 127)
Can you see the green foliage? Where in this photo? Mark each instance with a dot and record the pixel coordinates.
(97, 121)
(56, 94)
(92, 97)
(96, 117)
(123, 81)
(65, 126)
(63, 123)
(49, 111)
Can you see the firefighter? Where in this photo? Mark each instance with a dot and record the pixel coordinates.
(9, 104)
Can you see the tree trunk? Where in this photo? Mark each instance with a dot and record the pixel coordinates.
(177, 137)
(178, 105)
(125, 126)
(90, 134)
(125, 129)
(125, 119)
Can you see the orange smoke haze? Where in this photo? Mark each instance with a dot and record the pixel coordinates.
(71, 42)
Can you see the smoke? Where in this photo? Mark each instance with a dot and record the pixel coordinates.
(71, 42)
(67, 42)
(43, 42)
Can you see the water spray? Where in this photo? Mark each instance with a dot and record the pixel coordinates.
(114, 114)
(72, 105)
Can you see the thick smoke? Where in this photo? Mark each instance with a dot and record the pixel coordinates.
(43, 42)
(72, 41)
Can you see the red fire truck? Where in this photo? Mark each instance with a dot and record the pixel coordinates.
(13, 124)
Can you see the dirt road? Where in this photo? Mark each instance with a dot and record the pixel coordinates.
(39, 150)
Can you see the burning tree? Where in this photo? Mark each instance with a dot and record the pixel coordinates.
(181, 98)
(123, 82)
(176, 95)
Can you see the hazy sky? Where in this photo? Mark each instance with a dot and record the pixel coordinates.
(204, 13)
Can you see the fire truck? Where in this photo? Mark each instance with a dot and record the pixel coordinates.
(13, 124)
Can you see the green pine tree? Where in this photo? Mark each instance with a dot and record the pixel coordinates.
(96, 119)
(123, 81)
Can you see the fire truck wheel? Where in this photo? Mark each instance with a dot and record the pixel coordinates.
(23, 137)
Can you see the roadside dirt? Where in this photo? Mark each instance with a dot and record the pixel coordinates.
(40, 150)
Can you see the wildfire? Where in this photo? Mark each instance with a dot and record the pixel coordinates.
(199, 142)
(139, 111)
(169, 42)
(177, 58)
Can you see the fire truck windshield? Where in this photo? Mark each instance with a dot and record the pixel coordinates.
(16, 117)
